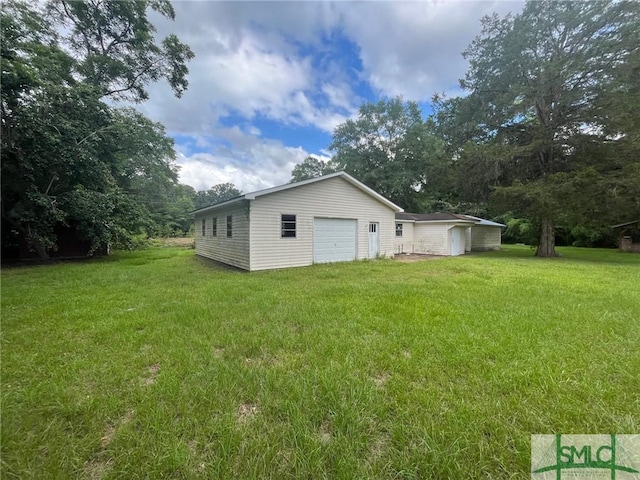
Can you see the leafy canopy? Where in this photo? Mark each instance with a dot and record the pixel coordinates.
(115, 45)
(387, 147)
(551, 96)
(68, 157)
(216, 194)
(311, 167)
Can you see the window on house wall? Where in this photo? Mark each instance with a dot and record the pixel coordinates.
(214, 227)
(288, 226)
(204, 227)
(229, 225)
(398, 229)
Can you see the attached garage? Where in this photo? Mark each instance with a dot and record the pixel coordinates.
(333, 218)
(334, 240)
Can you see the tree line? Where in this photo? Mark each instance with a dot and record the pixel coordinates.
(546, 137)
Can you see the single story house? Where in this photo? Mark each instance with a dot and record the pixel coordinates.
(327, 219)
(445, 234)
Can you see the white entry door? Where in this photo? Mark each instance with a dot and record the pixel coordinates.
(374, 244)
(334, 240)
(457, 241)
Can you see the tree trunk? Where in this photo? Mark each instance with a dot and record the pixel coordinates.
(40, 249)
(547, 244)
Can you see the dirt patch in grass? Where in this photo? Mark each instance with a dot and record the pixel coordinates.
(195, 451)
(217, 352)
(378, 448)
(261, 361)
(325, 433)
(417, 257)
(381, 379)
(246, 411)
(152, 375)
(111, 429)
(97, 467)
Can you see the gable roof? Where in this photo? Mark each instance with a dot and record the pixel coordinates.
(446, 217)
(288, 186)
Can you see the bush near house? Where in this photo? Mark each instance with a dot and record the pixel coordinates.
(159, 364)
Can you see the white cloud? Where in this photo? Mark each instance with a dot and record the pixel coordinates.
(419, 52)
(248, 58)
(339, 95)
(251, 79)
(247, 63)
(246, 161)
(271, 60)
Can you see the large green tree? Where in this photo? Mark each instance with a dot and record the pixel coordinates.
(550, 122)
(387, 147)
(68, 157)
(311, 167)
(216, 194)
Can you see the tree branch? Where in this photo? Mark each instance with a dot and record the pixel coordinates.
(133, 81)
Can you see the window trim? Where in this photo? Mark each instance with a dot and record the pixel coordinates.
(229, 226)
(204, 227)
(285, 225)
(214, 227)
(399, 229)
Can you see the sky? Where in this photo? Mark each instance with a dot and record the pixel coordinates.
(271, 80)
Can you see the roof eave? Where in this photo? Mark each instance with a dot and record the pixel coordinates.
(463, 222)
(221, 204)
(625, 224)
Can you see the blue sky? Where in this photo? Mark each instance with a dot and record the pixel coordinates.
(271, 80)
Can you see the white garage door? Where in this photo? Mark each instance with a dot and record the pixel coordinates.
(334, 240)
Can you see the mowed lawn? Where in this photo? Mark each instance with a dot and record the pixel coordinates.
(158, 364)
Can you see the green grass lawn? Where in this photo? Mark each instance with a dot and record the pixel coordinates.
(158, 364)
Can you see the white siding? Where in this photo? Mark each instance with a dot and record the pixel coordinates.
(435, 238)
(432, 239)
(485, 238)
(233, 251)
(331, 198)
(404, 244)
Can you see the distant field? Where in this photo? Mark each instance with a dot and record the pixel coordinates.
(158, 364)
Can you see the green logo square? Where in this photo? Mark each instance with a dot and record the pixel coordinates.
(585, 457)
